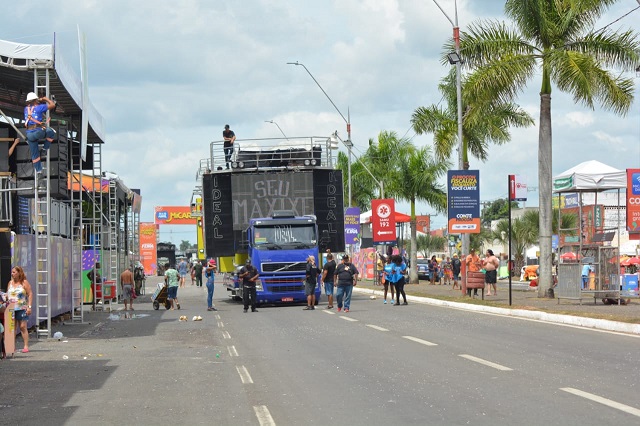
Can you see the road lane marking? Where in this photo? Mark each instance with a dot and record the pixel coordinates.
(220, 324)
(595, 398)
(232, 351)
(424, 342)
(375, 327)
(244, 374)
(86, 333)
(226, 335)
(329, 312)
(349, 319)
(485, 362)
(217, 316)
(263, 415)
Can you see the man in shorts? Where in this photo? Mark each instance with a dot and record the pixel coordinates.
(182, 270)
(126, 285)
(171, 278)
(311, 282)
(328, 270)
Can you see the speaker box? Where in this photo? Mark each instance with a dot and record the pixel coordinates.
(57, 188)
(56, 169)
(5, 259)
(58, 150)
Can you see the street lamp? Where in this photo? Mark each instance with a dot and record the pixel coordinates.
(273, 122)
(455, 58)
(349, 145)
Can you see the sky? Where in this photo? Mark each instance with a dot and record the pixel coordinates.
(167, 76)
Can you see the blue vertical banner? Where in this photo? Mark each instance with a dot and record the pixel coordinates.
(463, 201)
(352, 225)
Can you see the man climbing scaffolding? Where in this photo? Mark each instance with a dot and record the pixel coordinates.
(37, 130)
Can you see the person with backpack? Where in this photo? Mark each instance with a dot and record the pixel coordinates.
(345, 278)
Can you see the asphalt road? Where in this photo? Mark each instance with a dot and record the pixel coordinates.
(378, 364)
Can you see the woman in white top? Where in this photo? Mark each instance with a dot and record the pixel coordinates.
(20, 293)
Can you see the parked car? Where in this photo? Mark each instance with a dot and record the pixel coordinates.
(423, 269)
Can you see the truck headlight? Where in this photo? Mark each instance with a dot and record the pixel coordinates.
(259, 285)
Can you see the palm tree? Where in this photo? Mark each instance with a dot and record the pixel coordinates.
(427, 244)
(483, 122)
(418, 175)
(554, 39)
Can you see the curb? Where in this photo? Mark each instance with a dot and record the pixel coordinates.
(589, 323)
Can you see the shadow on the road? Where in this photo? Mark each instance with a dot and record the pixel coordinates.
(41, 390)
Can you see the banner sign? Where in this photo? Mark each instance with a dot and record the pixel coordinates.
(633, 200)
(423, 223)
(463, 204)
(517, 188)
(174, 215)
(383, 220)
(148, 249)
(352, 225)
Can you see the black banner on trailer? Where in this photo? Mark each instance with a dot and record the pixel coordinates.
(329, 208)
(218, 217)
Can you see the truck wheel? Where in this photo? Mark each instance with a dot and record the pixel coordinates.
(156, 305)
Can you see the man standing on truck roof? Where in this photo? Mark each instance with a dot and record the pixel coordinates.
(249, 275)
(229, 138)
(346, 277)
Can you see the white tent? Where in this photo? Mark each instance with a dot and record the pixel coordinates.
(590, 176)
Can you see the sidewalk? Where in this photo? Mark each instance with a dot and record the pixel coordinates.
(525, 301)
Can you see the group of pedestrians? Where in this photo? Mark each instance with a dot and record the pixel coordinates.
(394, 277)
(490, 263)
(336, 278)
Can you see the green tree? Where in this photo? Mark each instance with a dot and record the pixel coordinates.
(557, 41)
(184, 245)
(484, 121)
(498, 209)
(427, 244)
(418, 179)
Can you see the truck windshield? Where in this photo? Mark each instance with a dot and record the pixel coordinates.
(277, 237)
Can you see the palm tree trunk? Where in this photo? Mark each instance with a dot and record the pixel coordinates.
(413, 271)
(545, 187)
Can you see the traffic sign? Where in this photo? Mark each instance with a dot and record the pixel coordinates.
(383, 220)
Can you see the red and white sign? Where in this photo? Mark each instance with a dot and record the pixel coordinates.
(517, 188)
(383, 220)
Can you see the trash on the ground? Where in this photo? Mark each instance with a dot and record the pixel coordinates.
(114, 317)
(372, 297)
(217, 355)
(58, 335)
(182, 318)
(65, 357)
(197, 318)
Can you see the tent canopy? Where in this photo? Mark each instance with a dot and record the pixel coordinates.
(590, 176)
(400, 217)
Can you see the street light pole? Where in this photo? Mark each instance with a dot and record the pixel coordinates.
(380, 183)
(346, 120)
(273, 122)
(458, 62)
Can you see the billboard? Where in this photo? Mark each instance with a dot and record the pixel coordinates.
(423, 223)
(174, 215)
(148, 253)
(383, 220)
(633, 200)
(517, 188)
(351, 225)
(230, 200)
(463, 201)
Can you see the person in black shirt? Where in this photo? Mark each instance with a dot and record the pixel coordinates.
(249, 275)
(456, 264)
(346, 276)
(328, 271)
(229, 138)
(311, 282)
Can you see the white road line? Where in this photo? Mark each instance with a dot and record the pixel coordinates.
(349, 319)
(263, 415)
(220, 324)
(424, 342)
(217, 316)
(604, 401)
(232, 351)
(329, 312)
(226, 335)
(375, 327)
(86, 333)
(485, 362)
(244, 375)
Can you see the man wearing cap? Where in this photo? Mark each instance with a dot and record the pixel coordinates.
(210, 274)
(249, 275)
(37, 129)
(346, 276)
(229, 138)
